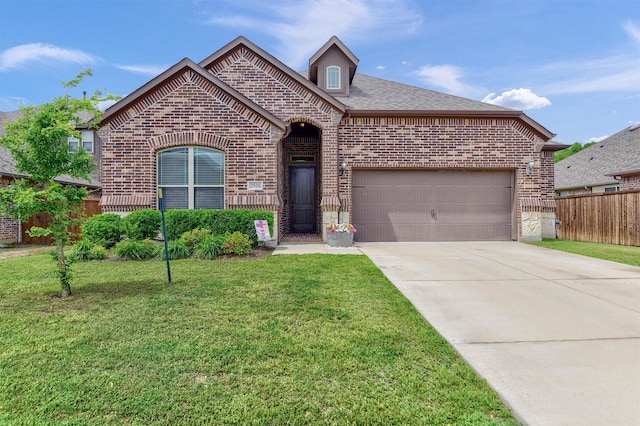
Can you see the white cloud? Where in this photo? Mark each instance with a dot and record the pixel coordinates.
(633, 30)
(447, 77)
(151, 70)
(102, 105)
(19, 56)
(610, 73)
(299, 25)
(597, 139)
(520, 99)
(380, 67)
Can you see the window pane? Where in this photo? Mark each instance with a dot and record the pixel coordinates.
(209, 198)
(209, 167)
(87, 136)
(173, 167)
(175, 198)
(333, 77)
(73, 143)
(87, 140)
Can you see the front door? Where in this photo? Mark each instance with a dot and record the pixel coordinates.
(303, 199)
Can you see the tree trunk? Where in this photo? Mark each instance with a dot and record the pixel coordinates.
(62, 270)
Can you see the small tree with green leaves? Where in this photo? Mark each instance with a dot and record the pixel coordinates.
(38, 142)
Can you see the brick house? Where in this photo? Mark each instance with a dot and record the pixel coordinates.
(242, 130)
(613, 164)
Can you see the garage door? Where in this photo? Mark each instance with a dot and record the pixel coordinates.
(420, 205)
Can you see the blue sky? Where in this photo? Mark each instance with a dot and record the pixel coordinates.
(572, 65)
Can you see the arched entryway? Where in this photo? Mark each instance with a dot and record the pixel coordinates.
(302, 176)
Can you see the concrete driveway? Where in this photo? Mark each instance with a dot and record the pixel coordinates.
(556, 335)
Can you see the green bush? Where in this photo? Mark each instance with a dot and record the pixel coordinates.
(137, 250)
(178, 250)
(142, 224)
(103, 229)
(210, 246)
(98, 253)
(87, 250)
(193, 238)
(219, 221)
(237, 243)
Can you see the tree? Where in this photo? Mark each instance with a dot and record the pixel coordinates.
(38, 142)
(568, 152)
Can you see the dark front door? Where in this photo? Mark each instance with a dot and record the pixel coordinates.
(303, 199)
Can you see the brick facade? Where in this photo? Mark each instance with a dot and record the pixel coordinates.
(188, 108)
(630, 182)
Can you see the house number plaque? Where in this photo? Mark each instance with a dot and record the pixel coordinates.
(255, 186)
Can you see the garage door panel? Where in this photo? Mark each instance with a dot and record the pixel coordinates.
(432, 205)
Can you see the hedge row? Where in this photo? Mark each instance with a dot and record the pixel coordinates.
(108, 228)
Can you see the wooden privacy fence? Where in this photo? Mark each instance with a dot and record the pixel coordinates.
(90, 206)
(610, 217)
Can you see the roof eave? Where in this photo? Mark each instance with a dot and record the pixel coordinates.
(624, 173)
(542, 131)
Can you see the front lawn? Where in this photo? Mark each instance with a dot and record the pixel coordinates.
(629, 255)
(314, 339)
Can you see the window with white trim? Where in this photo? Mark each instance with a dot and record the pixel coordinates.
(191, 178)
(85, 141)
(333, 77)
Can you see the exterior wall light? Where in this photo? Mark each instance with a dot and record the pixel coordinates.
(530, 166)
(343, 168)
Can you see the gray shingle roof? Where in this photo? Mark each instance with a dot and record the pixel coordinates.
(372, 93)
(594, 165)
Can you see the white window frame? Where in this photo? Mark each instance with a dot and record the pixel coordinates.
(331, 68)
(191, 186)
(86, 137)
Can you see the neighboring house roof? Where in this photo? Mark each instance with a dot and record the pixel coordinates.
(8, 165)
(600, 163)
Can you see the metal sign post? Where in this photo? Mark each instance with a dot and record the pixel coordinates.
(164, 233)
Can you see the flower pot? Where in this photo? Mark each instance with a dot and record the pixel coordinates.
(340, 239)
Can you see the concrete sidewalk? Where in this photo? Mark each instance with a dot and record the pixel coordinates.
(556, 335)
(315, 248)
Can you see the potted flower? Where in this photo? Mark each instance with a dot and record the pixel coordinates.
(340, 234)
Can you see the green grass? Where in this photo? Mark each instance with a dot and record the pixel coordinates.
(314, 339)
(629, 255)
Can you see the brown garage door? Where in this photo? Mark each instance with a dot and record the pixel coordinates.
(420, 205)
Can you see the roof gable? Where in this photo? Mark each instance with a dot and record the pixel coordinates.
(242, 42)
(333, 42)
(136, 98)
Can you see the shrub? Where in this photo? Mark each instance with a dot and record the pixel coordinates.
(193, 238)
(219, 221)
(103, 229)
(81, 250)
(142, 224)
(210, 246)
(133, 249)
(177, 250)
(237, 243)
(98, 253)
